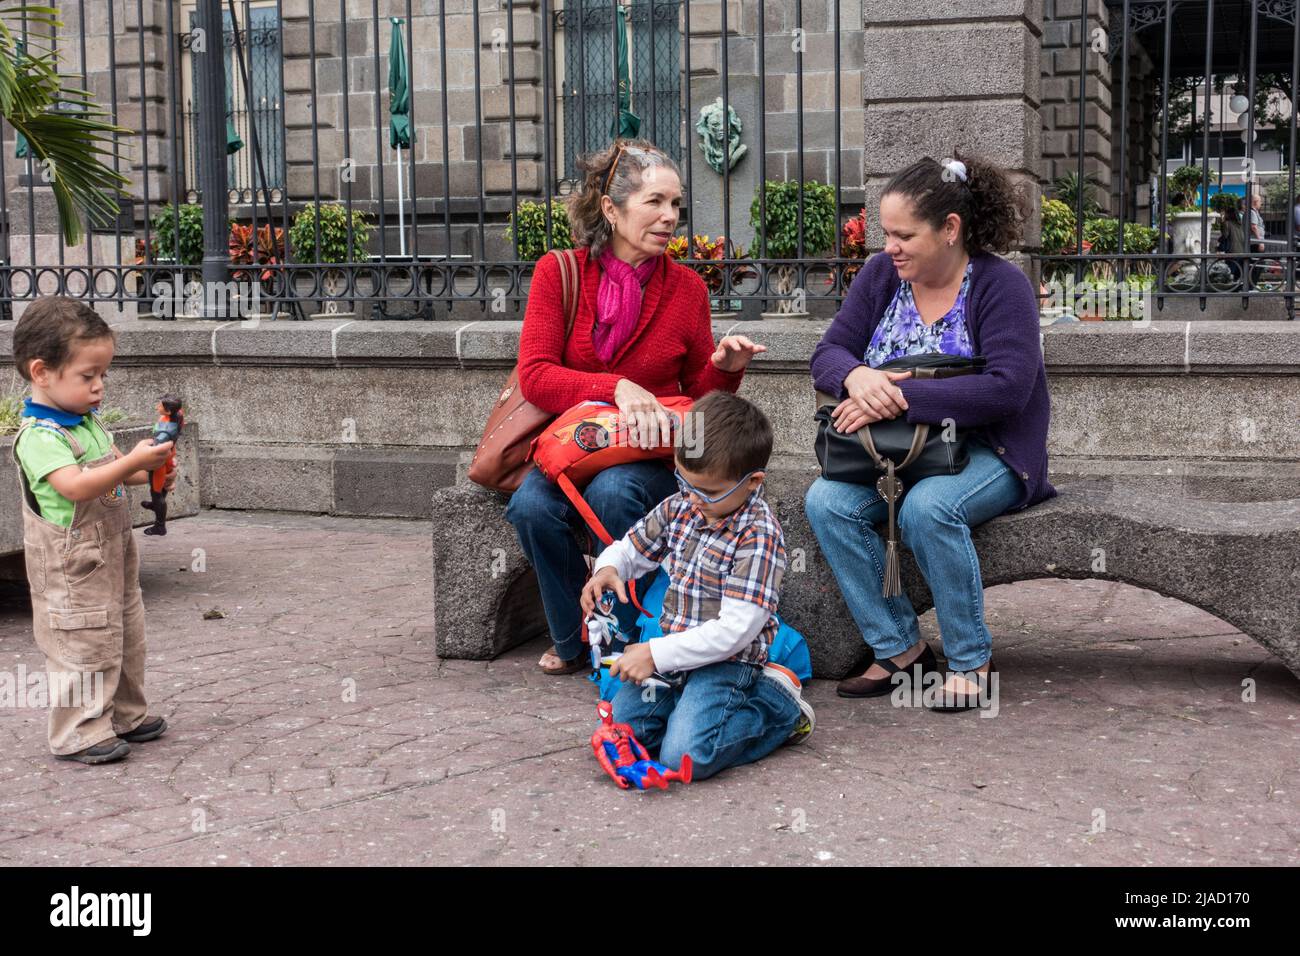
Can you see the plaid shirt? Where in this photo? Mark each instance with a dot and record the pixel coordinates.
(741, 556)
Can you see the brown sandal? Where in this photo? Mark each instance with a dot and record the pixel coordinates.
(579, 663)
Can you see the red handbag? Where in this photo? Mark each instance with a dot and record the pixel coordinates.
(587, 439)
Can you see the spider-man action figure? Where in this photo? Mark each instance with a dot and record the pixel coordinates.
(625, 760)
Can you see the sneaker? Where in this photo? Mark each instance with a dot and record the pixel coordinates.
(149, 730)
(112, 749)
(789, 682)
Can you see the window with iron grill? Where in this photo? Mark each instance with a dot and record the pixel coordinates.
(260, 45)
(588, 92)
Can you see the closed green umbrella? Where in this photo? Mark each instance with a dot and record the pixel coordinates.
(399, 91)
(233, 143)
(626, 124)
(22, 150)
(399, 116)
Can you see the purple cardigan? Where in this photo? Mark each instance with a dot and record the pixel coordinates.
(1008, 400)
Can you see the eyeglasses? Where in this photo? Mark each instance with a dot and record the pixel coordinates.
(689, 488)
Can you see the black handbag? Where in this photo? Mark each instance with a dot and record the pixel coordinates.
(893, 454)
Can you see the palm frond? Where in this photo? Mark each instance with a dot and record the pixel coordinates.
(67, 133)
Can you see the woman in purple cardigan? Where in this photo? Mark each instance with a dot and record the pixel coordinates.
(937, 287)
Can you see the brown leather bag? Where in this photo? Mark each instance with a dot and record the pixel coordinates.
(501, 459)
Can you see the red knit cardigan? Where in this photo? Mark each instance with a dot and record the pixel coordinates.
(667, 353)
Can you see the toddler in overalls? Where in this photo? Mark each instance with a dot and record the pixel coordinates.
(83, 566)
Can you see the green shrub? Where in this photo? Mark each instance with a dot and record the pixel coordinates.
(163, 239)
(1066, 188)
(334, 230)
(1104, 236)
(1186, 180)
(1222, 202)
(530, 220)
(1059, 227)
(779, 223)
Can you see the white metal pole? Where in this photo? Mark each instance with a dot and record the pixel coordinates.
(401, 205)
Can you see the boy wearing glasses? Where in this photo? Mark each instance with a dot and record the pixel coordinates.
(723, 550)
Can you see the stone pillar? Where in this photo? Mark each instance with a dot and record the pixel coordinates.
(952, 73)
(1062, 46)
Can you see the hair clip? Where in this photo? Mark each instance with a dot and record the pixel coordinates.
(956, 167)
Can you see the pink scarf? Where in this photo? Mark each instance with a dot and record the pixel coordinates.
(618, 301)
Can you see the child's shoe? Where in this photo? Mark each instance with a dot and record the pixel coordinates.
(149, 730)
(786, 678)
(115, 748)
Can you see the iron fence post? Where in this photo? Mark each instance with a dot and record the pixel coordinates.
(211, 74)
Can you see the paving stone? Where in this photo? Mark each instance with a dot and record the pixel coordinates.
(1112, 699)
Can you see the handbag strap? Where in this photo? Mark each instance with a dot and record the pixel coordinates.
(920, 434)
(594, 523)
(570, 279)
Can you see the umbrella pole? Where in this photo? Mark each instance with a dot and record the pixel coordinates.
(401, 206)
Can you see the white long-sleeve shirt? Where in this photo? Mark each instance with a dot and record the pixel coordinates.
(735, 628)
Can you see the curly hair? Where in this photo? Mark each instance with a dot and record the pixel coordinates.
(587, 220)
(991, 207)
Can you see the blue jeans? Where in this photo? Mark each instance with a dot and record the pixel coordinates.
(550, 530)
(934, 521)
(723, 715)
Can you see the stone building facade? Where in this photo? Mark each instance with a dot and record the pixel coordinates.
(914, 77)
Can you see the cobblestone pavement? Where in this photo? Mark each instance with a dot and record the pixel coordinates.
(1122, 736)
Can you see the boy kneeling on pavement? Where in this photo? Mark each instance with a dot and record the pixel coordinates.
(724, 555)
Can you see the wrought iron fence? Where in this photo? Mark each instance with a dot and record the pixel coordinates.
(325, 142)
(1185, 58)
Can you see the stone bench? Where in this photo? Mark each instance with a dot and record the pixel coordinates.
(1234, 560)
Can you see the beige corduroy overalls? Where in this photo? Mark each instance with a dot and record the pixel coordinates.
(87, 610)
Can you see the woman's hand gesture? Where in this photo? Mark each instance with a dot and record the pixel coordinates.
(734, 352)
(647, 422)
(873, 397)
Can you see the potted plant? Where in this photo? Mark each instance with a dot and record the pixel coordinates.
(1067, 189)
(853, 245)
(176, 239)
(335, 229)
(266, 250)
(529, 220)
(776, 231)
(1101, 235)
(706, 251)
(1057, 237)
(1185, 216)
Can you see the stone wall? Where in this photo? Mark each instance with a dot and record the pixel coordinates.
(368, 418)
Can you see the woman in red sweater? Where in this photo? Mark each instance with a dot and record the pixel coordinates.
(643, 330)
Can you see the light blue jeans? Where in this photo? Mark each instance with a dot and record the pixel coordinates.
(934, 522)
(724, 715)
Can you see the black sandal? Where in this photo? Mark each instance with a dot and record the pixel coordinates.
(955, 703)
(580, 663)
(859, 687)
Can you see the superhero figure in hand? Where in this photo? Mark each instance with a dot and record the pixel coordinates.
(171, 418)
(625, 760)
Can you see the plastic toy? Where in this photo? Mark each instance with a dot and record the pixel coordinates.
(171, 419)
(621, 755)
(602, 632)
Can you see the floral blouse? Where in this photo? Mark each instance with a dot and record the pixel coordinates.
(901, 331)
